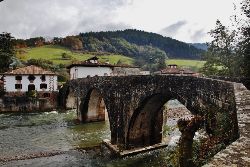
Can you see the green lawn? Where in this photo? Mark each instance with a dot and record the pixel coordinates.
(54, 53)
(193, 64)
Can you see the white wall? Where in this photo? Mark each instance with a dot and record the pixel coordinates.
(10, 81)
(83, 72)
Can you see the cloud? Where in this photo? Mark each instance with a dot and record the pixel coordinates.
(198, 35)
(173, 29)
(30, 18)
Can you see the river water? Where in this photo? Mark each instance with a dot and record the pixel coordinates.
(55, 139)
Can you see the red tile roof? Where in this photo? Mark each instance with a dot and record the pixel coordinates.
(170, 71)
(30, 70)
(176, 71)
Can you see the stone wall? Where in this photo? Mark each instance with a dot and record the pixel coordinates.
(22, 103)
(238, 153)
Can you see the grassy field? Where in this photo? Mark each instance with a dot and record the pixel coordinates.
(193, 64)
(54, 53)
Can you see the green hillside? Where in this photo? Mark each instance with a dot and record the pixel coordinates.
(54, 54)
(193, 64)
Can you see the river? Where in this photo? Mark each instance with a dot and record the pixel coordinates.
(55, 139)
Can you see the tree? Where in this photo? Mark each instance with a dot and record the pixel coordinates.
(161, 63)
(229, 53)
(35, 42)
(6, 51)
(73, 42)
(222, 57)
(246, 37)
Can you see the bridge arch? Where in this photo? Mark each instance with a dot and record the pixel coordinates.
(146, 124)
(93, 107)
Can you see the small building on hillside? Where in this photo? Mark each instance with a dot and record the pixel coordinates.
(173, 69)
(30, 78)
(92, 67)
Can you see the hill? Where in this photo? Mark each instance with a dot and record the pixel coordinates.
(202, 46)
(131, 42)
(140, 48)
(54, 53)
(195, 65)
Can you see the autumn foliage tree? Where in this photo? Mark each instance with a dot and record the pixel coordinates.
(72, 42)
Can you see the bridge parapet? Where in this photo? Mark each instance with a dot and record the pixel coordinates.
(237, 153)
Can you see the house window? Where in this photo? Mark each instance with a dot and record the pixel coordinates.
(43, 86)
(19, 77)
(46, 95)
(43, 78)
(31, 77)
(18, 86)
(31, 87)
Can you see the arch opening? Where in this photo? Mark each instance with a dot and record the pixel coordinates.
(94, 108)
(155, 121)
(145, 127)
(174, 110)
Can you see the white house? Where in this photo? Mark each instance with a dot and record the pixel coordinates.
(30, 78)
(92, 67)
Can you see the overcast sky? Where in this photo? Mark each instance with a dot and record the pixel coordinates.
(184, 20)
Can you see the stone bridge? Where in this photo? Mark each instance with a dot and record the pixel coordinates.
(134, 105)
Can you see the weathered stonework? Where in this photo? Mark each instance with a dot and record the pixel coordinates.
(238, 153)
(134, 104)
(244, 81)
(20, 102)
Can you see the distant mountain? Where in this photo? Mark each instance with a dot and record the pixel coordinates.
(135, 43)
(202, 46)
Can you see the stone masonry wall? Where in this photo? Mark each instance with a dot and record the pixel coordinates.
(238, 153)
(23, 103)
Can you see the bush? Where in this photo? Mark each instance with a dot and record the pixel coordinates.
(65, 56)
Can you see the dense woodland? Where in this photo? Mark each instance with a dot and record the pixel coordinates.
(129, 42)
